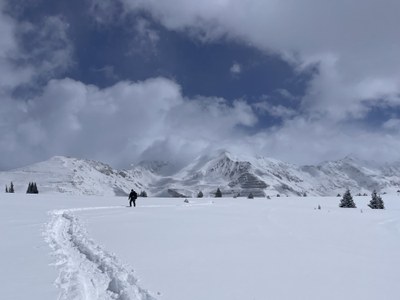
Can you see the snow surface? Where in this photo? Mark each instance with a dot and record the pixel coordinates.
(77, 247)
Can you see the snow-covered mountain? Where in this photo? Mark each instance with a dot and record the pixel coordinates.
(234, 175)
(73, 176)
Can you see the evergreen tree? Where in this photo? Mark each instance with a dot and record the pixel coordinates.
(347, 200)
(143, 194)
(218, 193)
(11, 189)
(278, 195)
(6, 189)
(32, 188)
(29, 190)
(250, 196)
(338, 195)
(376, 201)
(200, 194)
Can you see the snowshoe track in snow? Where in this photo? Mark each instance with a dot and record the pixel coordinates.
(86, 271)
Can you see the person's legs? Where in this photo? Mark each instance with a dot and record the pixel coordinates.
(130, 203)
(134, 203)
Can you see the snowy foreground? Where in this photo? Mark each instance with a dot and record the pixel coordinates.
(60, 247)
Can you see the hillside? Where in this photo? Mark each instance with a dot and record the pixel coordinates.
(234, 175)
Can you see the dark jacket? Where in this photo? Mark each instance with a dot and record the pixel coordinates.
(133, 195)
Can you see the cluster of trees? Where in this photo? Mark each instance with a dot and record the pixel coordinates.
(32, 188)
(218, 194)
(10, 189)
(143, 194)
(375, 203)
(346, 201)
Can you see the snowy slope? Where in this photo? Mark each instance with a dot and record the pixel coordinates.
(238, 176)
(73, 176)
(263, 176)
(79, 247)
(234, 175)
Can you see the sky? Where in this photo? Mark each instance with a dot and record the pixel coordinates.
(122, 81)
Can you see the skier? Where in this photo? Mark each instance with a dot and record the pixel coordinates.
(132, 198)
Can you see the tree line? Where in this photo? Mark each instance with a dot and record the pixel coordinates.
(32, 188)
(346, 201)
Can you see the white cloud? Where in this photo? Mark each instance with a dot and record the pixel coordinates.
(10, 74)
(121, 123)
(279, 111)
(392, 124)
(50, 50)
(356, 44)
(48, 53)
(152, 119)
(236, 69)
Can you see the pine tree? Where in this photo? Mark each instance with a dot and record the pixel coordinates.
(29, 190)
(250, 196)
(347, 200)
(32, 188)
(218, 193)
(143, 194)
(200, 194)
(6, 189)
(11, 189)
(376, 201)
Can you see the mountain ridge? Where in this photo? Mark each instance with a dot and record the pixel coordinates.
(234, 175)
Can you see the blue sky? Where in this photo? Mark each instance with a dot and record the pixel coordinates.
(126, 80)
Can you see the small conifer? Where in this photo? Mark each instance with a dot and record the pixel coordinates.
(376, 201)
(347, 200)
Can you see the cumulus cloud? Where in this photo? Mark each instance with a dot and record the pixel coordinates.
(355, 44)
(11, 75)
(46, 46)
(279, 111)
(357, 66)
(32, 53)
(122, 123)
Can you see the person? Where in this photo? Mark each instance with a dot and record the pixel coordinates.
(132, 198)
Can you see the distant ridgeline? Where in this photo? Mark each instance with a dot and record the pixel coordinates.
(219, 174)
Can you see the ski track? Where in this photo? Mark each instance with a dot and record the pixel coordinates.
(86, 271)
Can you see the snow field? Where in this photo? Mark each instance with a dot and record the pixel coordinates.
(283, 248)
(86, 270)
(257, 249)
